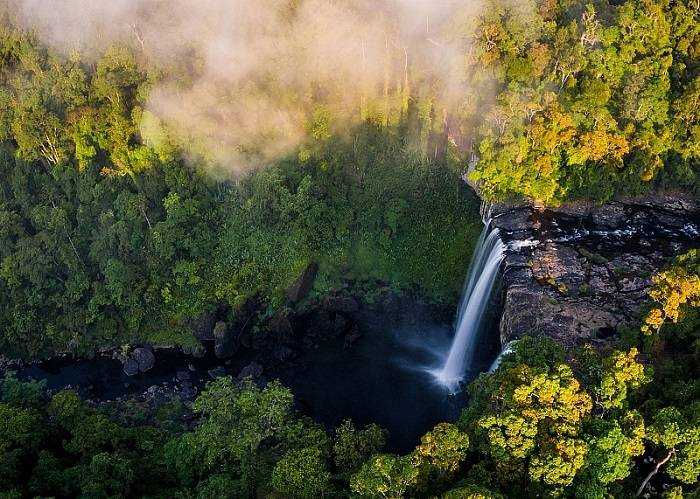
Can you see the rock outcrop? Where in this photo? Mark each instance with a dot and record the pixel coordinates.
(301, 287)
(140, 360)
(581, 272)
(225, 341)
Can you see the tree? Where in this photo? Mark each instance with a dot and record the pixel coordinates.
(89, 432)
(672, 289)
(679, 441)
(612, 445)
(443, 448)
(385, 475)
(301, 473)
(21, 434)
(27, 394)
(352, 447)
(621, 372)
(107, 475)
(538, 417)
(243, 430)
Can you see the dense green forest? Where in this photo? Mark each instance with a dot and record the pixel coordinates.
(113, 232)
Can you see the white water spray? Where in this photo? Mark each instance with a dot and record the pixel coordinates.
(475, 297)
(506, 350)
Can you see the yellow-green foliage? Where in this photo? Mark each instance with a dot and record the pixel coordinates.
(680, 437)
(385, 475)
(443, 448)
(621, 372)
(534, 419)
(591, 98)
(672, 289)
(541, 420)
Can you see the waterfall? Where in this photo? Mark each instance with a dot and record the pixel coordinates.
(475, 297)
(477, 260)
(506, 350)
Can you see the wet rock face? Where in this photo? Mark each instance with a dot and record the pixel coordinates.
(586, 270)
(558, 266)
(530, 310)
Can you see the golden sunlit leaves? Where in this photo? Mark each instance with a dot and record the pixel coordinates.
(543, 415)
(621, 371)
(672, 289)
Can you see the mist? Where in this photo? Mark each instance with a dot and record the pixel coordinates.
(242, 79)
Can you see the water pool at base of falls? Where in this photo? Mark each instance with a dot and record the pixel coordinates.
(383, 378)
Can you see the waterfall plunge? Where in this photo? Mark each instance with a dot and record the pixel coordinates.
(475, 297)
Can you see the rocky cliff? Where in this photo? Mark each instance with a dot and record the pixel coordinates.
(580, 272)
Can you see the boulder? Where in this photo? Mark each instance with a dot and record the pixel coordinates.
(225, 342)
(301, 287)
(144, 358)
(130, 367)
(252, 370)
(202, 326)
(138, 361)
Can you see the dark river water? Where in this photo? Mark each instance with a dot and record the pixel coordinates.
(384, 377)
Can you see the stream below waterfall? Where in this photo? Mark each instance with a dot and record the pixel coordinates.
(383, 378)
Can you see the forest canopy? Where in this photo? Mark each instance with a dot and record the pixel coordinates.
(149, 180)
(594, 98)
(108, 209)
